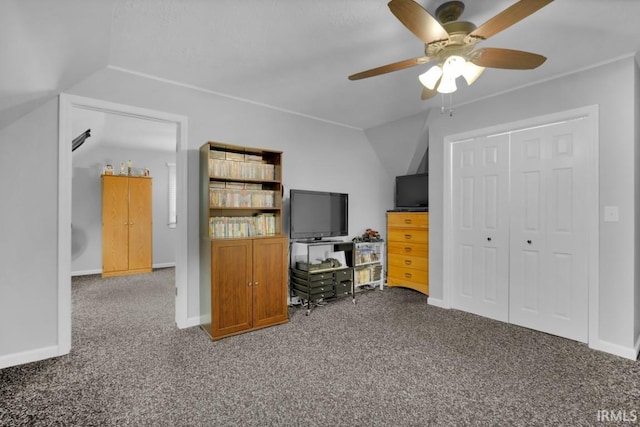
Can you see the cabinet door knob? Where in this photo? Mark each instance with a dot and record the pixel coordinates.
(249, 284)
(255, 284)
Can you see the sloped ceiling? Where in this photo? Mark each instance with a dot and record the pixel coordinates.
(293, 55)
(48, 46)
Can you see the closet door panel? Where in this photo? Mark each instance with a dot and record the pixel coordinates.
(480, 217)
(549, 225)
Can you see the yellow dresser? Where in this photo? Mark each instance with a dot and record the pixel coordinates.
(408, 250)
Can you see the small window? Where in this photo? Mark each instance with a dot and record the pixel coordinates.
(172, 195)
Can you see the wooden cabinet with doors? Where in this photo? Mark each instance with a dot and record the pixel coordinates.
(246, 285)
(243, 253)
(126, 225)
(408, 250)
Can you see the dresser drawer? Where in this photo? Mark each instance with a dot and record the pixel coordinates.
(411, 249)
(408, 219)
(407, 261)
(400, 276)
(408, 235)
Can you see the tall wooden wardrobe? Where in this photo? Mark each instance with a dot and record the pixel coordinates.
(126, 225)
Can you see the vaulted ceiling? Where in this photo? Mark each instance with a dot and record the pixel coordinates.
(293, 55)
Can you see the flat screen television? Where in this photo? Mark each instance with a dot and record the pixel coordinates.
(412, 192)
(317, 214)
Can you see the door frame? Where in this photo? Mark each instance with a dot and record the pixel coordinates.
(66, 103)
(591, 115)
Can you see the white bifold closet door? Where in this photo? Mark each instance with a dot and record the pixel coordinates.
(520, 249)
(481, 226)
(548, 244)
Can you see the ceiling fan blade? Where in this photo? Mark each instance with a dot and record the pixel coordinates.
(418, 20)
(428, 93)
(507, 18)
(400, 65)
(506, 58)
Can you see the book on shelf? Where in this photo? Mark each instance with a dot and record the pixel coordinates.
(247, 226)
(234, 198)
(240, 170)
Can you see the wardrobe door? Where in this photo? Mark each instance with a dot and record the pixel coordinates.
(115, 224)
(549, 245)
(140, 224)
(480, 179)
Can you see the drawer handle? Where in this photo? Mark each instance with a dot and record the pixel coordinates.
(407, 221)
(407, 275)
(407, 262)
(407, 236)
(407, 249)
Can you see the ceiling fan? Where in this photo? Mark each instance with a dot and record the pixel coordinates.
(451, 43)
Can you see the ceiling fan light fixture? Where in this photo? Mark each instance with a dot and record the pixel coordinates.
(471, 72)
(447, 85)
(453, 66)
(430, 78)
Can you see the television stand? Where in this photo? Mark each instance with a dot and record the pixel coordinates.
(314, 278)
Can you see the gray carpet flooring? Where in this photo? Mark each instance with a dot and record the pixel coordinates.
(389, 360)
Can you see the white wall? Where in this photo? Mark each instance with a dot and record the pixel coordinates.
(86, 209)
(317, 155)
(28, 236)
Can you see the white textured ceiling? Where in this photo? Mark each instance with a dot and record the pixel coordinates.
(293, 55)
(296, 55)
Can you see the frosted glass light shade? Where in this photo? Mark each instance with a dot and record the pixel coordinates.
(447, 85)
(453, 66)
(430, 78)
(471, 72)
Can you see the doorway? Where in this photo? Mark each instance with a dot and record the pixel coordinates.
(67, 104)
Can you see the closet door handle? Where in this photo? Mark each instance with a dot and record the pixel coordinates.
(488, 239)
(529, 242)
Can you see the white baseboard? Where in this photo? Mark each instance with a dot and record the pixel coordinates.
(616, 349)
(436, 302)
(29, 356)
(85, 272)
(164, 265)
(189, 323)
(99, 271)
